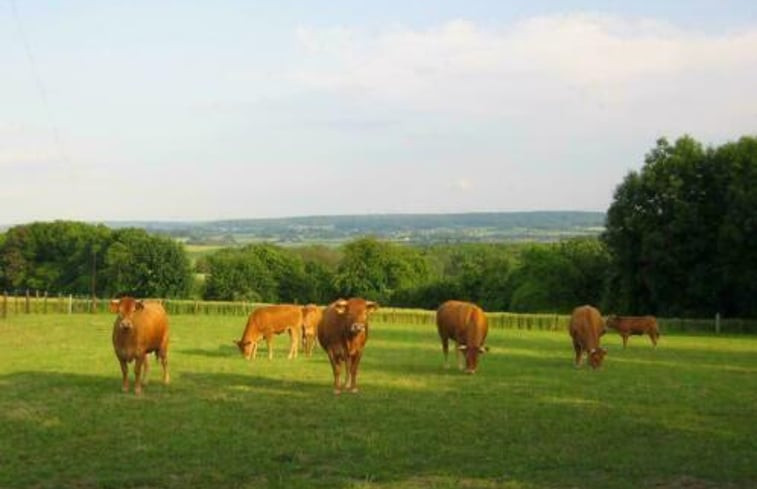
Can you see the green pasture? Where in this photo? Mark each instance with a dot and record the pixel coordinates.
(681, 416)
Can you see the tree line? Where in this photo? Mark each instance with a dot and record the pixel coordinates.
(678, 242)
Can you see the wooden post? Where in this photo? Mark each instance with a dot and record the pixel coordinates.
(27, 303)
(44, 303)
(5, 304)
(70, 304)
(717, 323)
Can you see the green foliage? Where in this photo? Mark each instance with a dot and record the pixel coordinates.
(558, 277)
(681, 232)
(377, 269)
(239, 274)
(68, 257)
(146, 266)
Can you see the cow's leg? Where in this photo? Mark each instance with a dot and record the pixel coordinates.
(296, 335)
(336, 369)
(293, 343)
(625, 341)
(445, 351)
(577, 348)
(124, 375)
(354, 363)
(163, 355)
(269, 341)
(347, 370)
(145, 369)
(653, 335)
(138, 362)
(254, 350)
(460, 358)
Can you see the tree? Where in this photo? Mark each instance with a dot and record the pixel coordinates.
(378, 270)
(678, 231)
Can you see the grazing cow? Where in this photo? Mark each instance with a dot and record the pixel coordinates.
(311, 318)
(634, 325)
(465, 323)
(586, 328)
(139, 329)
(266, 321)
(343, 333)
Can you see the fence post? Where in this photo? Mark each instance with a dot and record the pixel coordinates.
(70, 304)
(44, 303)
(717, 323)
(27, 302)
(5, 304)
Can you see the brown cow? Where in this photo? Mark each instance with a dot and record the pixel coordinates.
(343, 333)
(586, 328)
(140, 328)
(311, 318)
(634, 325)
(465, 323)
(266, 321)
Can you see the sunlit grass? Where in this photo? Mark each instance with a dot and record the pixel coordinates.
(650, 418)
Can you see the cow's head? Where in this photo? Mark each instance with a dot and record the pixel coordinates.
(246, 347)
(596, 355)
(355, 311)
(125, 308)
(471, 356)
(610, 322)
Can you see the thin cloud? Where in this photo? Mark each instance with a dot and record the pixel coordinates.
(461, 66)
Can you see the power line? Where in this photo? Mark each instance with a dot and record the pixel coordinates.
(57, 139)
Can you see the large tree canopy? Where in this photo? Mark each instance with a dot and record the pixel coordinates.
(681, 232)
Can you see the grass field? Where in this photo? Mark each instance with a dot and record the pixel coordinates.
(681, 416)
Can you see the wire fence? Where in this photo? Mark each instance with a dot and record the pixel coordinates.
(43, 303)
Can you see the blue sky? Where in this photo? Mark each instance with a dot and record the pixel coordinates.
(213, 110)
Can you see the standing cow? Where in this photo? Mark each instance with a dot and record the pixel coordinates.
(586, 328)
(465, 323)
(343, 333)
(311, 318)
(266, 321)
(139, 329)
(634, 325)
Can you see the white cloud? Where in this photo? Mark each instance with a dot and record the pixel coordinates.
(574, 60)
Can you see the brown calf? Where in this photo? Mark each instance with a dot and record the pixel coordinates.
(586, 328)
(343, 333)
(266, 321)
(465, 323)
(634, 325)
(140, 328)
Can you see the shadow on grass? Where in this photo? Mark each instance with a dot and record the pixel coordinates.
(223, 350)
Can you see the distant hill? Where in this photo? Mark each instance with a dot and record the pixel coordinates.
(413, 228)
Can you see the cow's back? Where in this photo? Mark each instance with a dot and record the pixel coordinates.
(275, 318)
(151, 325)
(453, 319)
(586, 326)
(633, 324)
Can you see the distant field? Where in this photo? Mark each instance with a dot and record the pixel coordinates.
(197, 251)
(681, 416)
